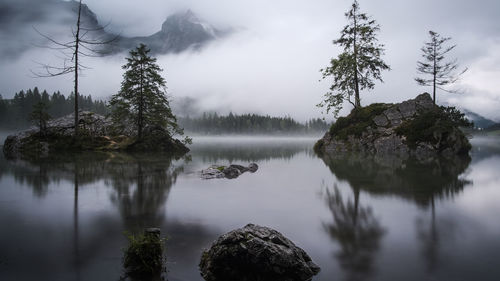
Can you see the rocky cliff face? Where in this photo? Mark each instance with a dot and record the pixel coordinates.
(414, 127)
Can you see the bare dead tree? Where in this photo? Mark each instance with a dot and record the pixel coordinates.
(80, 45)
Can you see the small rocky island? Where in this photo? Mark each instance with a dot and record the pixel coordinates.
(96, 133)
(256, 253)
(229, 172)
(415, 127)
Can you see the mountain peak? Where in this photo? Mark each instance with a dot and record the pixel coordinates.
(181, 19)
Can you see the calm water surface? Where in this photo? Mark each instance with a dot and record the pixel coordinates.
(358, 218)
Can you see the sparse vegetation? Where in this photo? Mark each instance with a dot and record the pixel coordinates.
(39, 116)
(144, 255)
(432, 126)
(434, 70)
(357, 121)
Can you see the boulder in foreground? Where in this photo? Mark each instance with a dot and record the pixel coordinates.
(256, 253)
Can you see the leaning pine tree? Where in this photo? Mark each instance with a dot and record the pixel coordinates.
(360, 63)
(142, 99)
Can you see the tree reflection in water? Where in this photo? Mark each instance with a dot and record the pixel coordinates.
(140, 183)
(141, 190)
(357, 231)
(423, 183)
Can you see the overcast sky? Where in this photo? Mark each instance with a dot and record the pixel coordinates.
(270, 65)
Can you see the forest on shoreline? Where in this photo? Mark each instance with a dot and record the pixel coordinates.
(15, 113)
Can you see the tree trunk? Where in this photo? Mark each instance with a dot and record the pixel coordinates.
(141, 105)
(77, 44)
(434, 77)
(357, 100)
(356, 207)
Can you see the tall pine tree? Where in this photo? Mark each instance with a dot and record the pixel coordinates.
(142, 97)
(441, 73)
(360, 63)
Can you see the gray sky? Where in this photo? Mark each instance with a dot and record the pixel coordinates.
(270, 65)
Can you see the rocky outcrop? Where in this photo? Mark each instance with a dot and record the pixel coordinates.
(414, 127)
(95, 131)
(93, 123)
(230, 172)
(256, 253)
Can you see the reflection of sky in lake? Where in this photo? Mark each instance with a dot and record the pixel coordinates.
(427, 231)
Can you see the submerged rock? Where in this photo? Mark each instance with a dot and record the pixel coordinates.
(143, 258)
(212, 172)
(231, 172)
(415, 127)
(256, 253)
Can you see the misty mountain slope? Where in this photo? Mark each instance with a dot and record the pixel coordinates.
(56, 18)
(179, 32)
(479, 121)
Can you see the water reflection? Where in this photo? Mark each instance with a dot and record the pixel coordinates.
(139, 186)
(485, 147)
(249, 149)
(141, 190)
(420, 182)
(357, 231)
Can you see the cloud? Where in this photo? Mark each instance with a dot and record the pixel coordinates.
(271, 64)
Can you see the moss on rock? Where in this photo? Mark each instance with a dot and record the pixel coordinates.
(357, 121)
(413, 127)
(143, 258)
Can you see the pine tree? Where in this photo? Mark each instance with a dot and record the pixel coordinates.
(40, 116)
(441, 73)
(142, 97)
(360, 63)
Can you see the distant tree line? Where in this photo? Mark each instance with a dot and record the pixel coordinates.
(16, 113)
(212, 123)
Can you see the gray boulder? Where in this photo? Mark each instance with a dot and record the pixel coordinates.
(253, 167)
(230, 172)
(256, 253)
(212, 172)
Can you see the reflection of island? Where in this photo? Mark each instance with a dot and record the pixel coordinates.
(140, 184)
(357, 231)
(420, 182)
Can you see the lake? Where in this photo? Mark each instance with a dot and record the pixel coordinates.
(359, 218)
